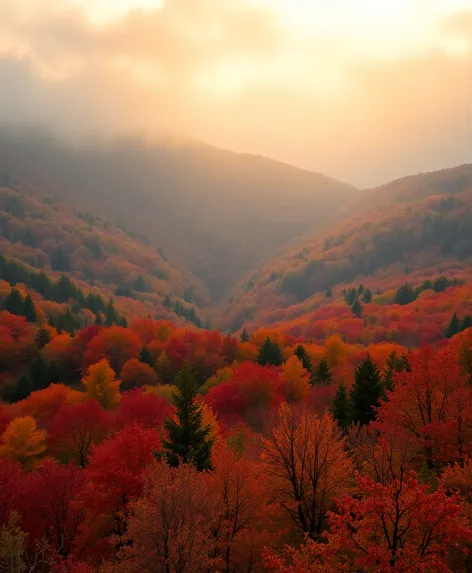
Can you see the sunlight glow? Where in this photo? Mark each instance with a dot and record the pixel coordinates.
(105, 11)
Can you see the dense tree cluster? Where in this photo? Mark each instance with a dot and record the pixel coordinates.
(158, 448)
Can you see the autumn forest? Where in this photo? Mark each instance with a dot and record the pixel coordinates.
(303, 407)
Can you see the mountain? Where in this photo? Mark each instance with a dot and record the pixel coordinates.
(217, 213)
(412, 230)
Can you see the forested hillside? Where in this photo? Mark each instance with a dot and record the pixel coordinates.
(411, 231)
(132, 440)
(131, 448)
(217, 212)
(44, 240)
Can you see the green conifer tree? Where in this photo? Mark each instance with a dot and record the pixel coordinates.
(367, 298)
(304, 358)
(42, 337)
(146, 357)
(366, 391)
(270, 354)
(110, 314)
(188, 439)
(340, 407)
(454, 326)
(467, 322)
(18, 391)
(13, 302)
(393, 365)
(39, 374)
(323, 373)
(244, 336)
(357, 309)
(29, 310)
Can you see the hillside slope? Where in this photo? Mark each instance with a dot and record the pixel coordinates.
(219, 213)
(410, 230)
(54, 237)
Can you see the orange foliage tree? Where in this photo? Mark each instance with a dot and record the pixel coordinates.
(101, 385)
(304, 455)
(170, 528)
(23, 442)
(294, 381)
(136, 374)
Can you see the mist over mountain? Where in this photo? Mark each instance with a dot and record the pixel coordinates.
(216, 212)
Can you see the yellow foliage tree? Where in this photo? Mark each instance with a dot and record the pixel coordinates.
(102, 385)
(164, 369)
(221, 375)
(23, 442)
(335, 350)
(294, 380)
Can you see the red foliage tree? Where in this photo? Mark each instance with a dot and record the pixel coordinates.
(252, 391)
(148, 410)
(400, 527)
(52, 511)
(116, 344)
(432, 404)
(136, 374)
(76, 428)
(114, 480)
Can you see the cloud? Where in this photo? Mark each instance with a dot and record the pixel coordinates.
(230, 73)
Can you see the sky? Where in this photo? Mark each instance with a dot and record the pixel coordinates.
(362, 90)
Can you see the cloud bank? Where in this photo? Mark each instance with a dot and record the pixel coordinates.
(234, 74)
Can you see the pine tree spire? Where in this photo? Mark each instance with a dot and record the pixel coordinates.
(365, 392)
(188, 439)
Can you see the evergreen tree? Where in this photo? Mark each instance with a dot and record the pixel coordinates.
(467, 322)
(365, 392)
(123, 322)
(98, 319)
(270, 353)
(140, 284)
(350, 295)
(244, 336)
(323, 373)
(110, 314)
(405, 294)
(188, 439)
(29, 310)
(304, 358)
(67, 322)
(453, 327)
(42, 337)
(367, 298)
(145, 356)
(51, 321)
(394, 364)
(329, 293)
(18, 391)
(357, 309)
(39, 374)
(340, 407)
(13, 302)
